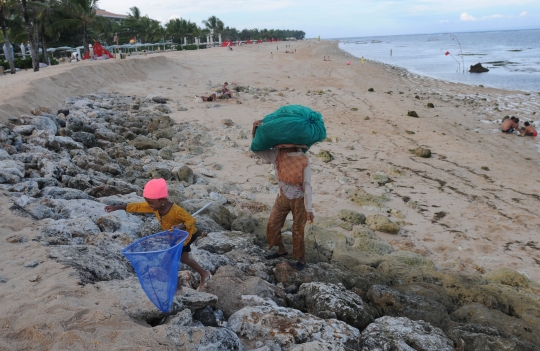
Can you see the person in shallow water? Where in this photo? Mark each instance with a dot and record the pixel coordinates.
(529, 130)
(294, 176)
(509, 125)
(170, 216)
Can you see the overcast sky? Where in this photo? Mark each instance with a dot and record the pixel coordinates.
(347, 18)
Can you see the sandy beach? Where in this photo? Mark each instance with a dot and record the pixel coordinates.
(469, 208)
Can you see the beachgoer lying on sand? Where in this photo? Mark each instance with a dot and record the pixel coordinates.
(225, 90)
(170, 216)
(212, 97)
(294, 175)
(529, 130)
(509, 125)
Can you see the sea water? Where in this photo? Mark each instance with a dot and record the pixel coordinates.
(512, 57)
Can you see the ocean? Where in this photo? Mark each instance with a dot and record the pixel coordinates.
(512, 57)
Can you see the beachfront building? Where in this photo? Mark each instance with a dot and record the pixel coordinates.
(110, 15)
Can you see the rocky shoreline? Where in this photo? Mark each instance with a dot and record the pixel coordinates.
(356, 293)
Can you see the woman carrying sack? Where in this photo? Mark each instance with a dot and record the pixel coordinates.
(295, 195)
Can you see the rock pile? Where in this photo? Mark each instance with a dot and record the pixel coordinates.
(361, 295)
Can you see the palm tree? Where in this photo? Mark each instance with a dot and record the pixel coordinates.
(4, 5)
(178, 28)
(106, 29)
(230, 33)
(174, 28)
(30, 29)
(150, 29)
(192, 30)
(44, 11)
(131, 25)
(82, 13)
(214, 24)
(135, 13)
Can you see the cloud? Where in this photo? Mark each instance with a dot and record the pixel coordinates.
(524, 13)
(466, 17)
(444, 21)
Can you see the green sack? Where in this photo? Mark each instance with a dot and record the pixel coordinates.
(292, 124)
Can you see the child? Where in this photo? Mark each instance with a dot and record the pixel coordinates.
(170, 216)
(529, 130)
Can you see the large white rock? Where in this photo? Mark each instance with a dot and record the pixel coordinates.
(289, 327)
(200, 338)
(401, 334)
(324, 298)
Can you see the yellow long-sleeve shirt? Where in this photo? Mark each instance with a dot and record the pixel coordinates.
(176, 215)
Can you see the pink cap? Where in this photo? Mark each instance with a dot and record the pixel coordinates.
(156, 189)
(348, 62)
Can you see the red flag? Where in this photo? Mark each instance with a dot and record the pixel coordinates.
(447, 53)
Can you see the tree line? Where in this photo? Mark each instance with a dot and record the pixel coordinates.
(56, 23)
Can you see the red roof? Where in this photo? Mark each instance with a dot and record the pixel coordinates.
(110, 14)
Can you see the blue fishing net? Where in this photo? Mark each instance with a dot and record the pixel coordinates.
(292, 124)
(155, 259)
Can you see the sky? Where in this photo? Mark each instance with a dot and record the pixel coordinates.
(346, 18)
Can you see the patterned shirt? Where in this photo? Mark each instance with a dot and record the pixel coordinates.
(291, 190)
(175, 216)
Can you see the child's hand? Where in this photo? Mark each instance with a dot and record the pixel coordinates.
(180, 226)
(310, 217)
(110, 208)
(115, 208)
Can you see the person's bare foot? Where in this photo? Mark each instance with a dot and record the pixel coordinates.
(204, 278)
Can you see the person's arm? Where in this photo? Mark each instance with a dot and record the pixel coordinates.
(308, 191)
(183, 217)
(115, 208)
(256, 124)
(268, 155)
(140, 207)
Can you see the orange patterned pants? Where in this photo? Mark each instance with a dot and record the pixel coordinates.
(279, 213)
